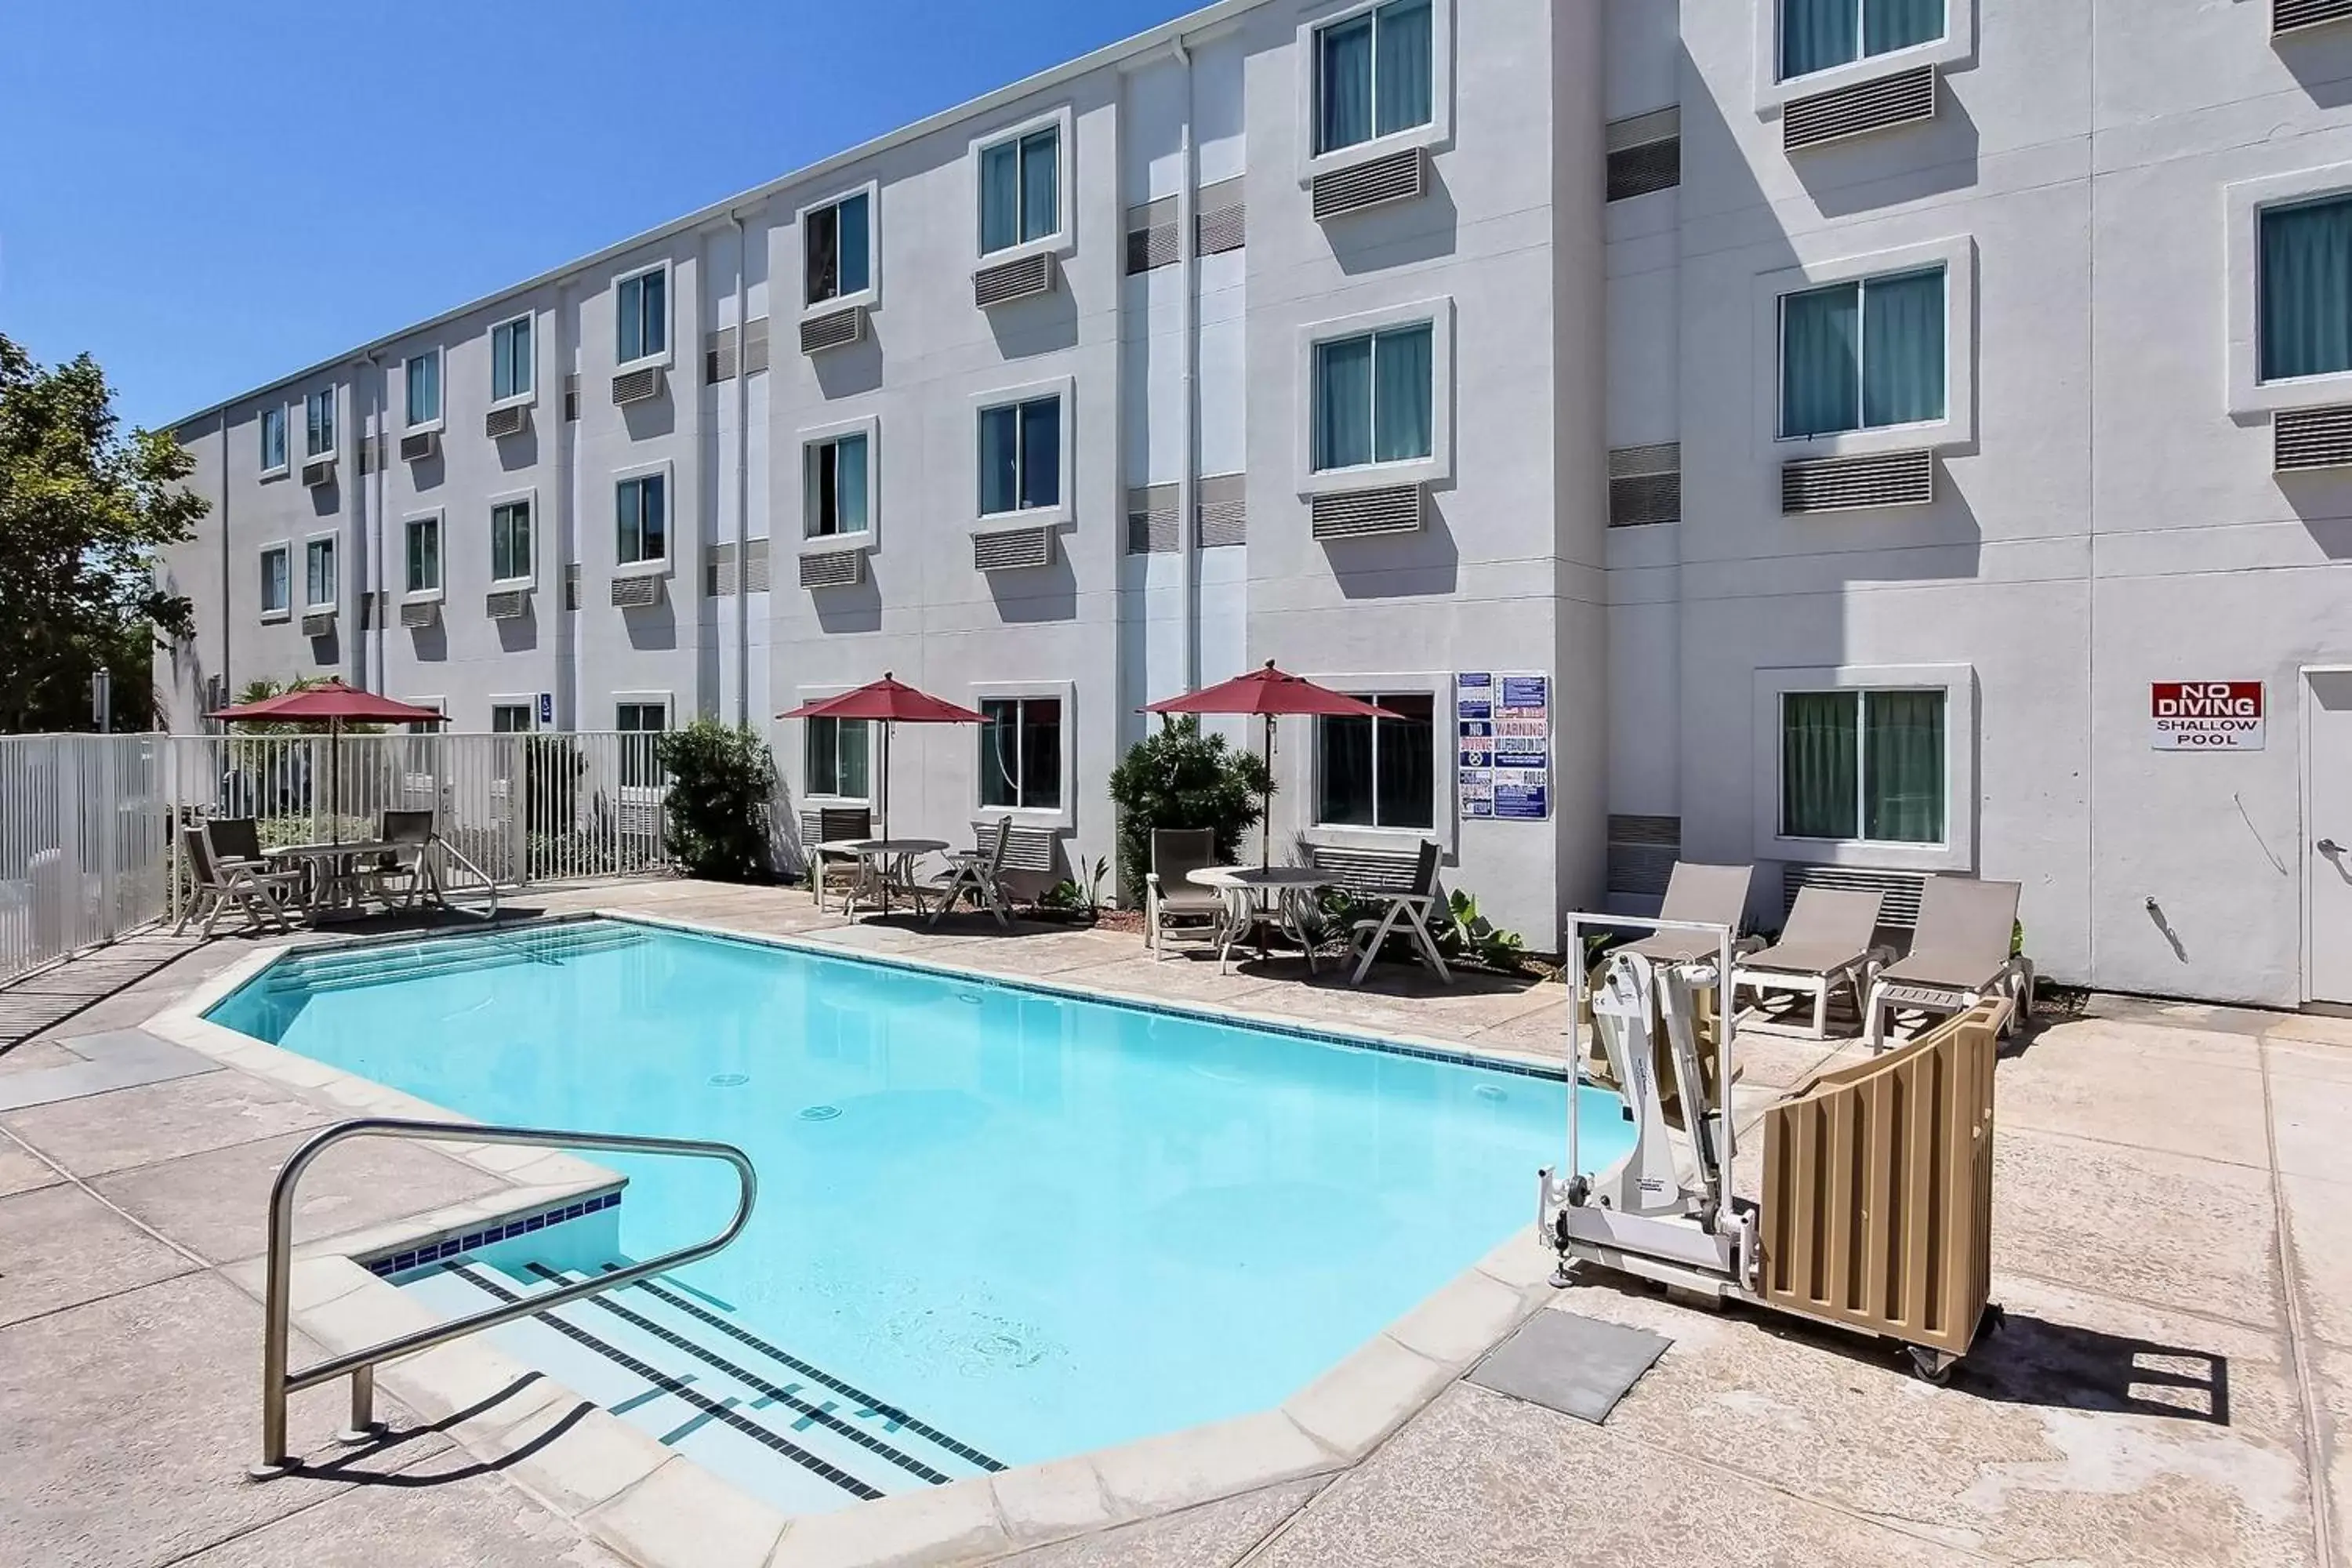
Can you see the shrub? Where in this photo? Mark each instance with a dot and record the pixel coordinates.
(1181, 778)
(722, 779)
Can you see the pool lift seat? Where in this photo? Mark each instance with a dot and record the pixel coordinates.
(1877, 1206)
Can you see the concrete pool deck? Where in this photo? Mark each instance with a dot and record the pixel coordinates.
(2171, 1245)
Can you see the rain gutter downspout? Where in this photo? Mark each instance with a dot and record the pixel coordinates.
(742, 474)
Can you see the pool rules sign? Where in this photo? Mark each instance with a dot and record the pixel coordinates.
(2206, 715)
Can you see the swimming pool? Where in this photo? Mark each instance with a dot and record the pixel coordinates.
(1024, 1223)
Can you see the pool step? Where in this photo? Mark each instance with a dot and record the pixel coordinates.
(451, 955)
(683, 1370)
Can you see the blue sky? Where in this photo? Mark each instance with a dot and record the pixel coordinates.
(210, 195)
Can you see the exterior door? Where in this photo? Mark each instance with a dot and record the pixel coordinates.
(2327, 835)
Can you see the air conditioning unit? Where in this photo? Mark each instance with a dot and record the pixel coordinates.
(1375, 182)
(417, 446)
(1012, 549)
(1857, 484)
(416, 614)
(2305, 440)
(834, 330)
(510, 604)
(637, 385)
(1907, 98)
(2294, 16)
(1365, 514)
(1024, 278)
(318, 471)
(636, 592)
(319, 623)
(834, 569)
(511, 420)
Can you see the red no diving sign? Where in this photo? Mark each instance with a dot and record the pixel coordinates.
(2206, 715)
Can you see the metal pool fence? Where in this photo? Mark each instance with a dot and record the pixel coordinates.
(87, 850)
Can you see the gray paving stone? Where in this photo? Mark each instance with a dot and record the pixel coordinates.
(119, 1058)
(1210, 1536)
(102, 1133)
(1565, 1362)
(60, 1246)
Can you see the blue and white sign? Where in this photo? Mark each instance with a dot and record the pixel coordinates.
(546, 708)
(1474, 714)
(1523, 748)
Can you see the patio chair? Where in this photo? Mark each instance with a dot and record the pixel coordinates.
(974, 874)
(1961, 955)
(221, 880)
(407, 871)
(1170, 898)
(1409, 910)
(1706, 895)
(832, 825)
(1827, 942)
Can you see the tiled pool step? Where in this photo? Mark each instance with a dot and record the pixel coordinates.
(335, 970)
(685, 1371)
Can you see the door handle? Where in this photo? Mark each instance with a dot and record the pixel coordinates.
(2329, 847)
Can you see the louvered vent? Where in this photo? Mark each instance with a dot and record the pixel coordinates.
(1645, 153)
(1012, 549)
(417, 447)
(1369, 873)
(367, 615)
(1151, 523)
(318, 624)
(1905, 100)
(2294, 15)
(500, 423)
(833, 569)
(1219, 218)
(570, 398)
(637, 386)
(1151, 235)
(718, 355)
(572, 586)
(755, 346)
(416, 613)
(1645, 485)
(1399, 177)
(1857, 484)
(318, 471)
(636, 592)
(1009, 280)
(2302, 439)
(1222, 502)
(1898, 892)
(834, 330)
(511, 605)
(755, 566)
(1027, 849)
(719, 571)
(1641, 854)
(368, 449)
(1358, 514)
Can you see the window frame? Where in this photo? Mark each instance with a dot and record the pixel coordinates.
(1315, 748)
(1957, 684)
(2246, 201)
(1957, 428)
(1957, 47)
(529, 322)
(526, 700)
(439, 590)
(527, 497)
(1300, 766)
(669, 317)
(1064, 814)
(871, 295)
(653, 566)
(334, 425)
(267, 470)
(1436, 468)
(1861, 287)
(664, 700)
(433, 421)
(1437, 135)
(1064, 508)
(1063, 239)
(810, 793)
(816, 436)
(333, 541)
(281, 547)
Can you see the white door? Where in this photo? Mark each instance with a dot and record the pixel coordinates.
(2327, 827)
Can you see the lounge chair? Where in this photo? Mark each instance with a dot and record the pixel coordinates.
(1702, 895)
(832, 825)
(1960, 954)
(1170, 898)
(1409, 910)
(1828, 942)
(220, 879)
(974, 874)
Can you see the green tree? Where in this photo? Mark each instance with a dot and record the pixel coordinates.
(1181, 778)
(722, 785)
(83, 511)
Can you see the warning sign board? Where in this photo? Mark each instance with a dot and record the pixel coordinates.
(2206, 715)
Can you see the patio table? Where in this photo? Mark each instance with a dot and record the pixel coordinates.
(1280, 896)
(333, 882)
(888, 862)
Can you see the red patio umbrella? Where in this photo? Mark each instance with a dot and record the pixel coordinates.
(332, 704)
(1270, 694)
(892, 701)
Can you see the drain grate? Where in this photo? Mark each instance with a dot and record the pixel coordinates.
(730, 1080)
(820, 1113)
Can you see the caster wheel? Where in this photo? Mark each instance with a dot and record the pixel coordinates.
(1926, 1367)
(1993, 1321)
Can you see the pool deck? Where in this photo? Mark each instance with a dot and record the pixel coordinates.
(2173, 1182)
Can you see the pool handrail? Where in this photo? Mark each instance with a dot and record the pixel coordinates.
(277, 1381)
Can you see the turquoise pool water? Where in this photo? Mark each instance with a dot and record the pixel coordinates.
(1045, 1225)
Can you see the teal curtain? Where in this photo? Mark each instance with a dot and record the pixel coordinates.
(856, 241)
(1888, 25)
(510, 359)
(1344, 78)
(654, 314)
(1403, 76)
(1817, 764)
(1903, 349)
(1343, 772)
(1401, 395)
(1040, 184)
(2306, 289)
(424, 555)
(274, 571)
(1818, 387)
(1041, 452)
(1343, 404)
(629, 339)
(1000, 196)
(852, 753)
(1903, 767)
(273, 437)
(999, 460)
(424, 388)
(1817, 34)
(849, 485)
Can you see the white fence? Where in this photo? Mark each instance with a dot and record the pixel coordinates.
(86, 849)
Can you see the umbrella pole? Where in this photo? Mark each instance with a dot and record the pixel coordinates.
(334, 781)
(1265, 811)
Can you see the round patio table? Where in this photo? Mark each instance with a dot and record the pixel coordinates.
(886, 862)
(1282, 897)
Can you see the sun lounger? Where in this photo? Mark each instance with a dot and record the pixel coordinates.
(1701, 895)
(1959, 954)
(1170, 899)
(1828, 942)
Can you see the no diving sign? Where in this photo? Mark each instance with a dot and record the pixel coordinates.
(2206, 715)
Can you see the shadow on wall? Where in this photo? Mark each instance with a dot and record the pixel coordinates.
(1026, 328)
(1888, 168)
(430, 642)
(653, 628)
(856, 607)
(854, 368)
(327, 499)
(327, 650)
(520, 452)
(1035, 594)
(428, 473)
(1399, 235)
(1398, 565)
(2320, 59)
(652, 417)
(519, 634)
(2322, 501)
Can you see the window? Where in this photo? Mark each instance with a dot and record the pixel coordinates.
(424, 379)
(319, 573)
(510, 718)
(837, 242)
(1864, 765)
(1374, 396)
(1862, 355)
(1021, 754)
(1374, 75)
(1021, 190)
(838, 487)
(1379, 773)
(641, 724)
(2307, 289)
(836, 758)
(510, 541)
(644, 325)
(511, 362)
(273, 440)
(423, 555)
(1021, 456)
(1816, 35)
(277, 586)
(638, 512)
(319, 424)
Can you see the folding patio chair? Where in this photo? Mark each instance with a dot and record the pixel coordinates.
(1828, 942)
(1169, 896)
(406, 871)
(219, 880)
(974, 874)
(832, 825)
(1960, 954)
(1409, 910)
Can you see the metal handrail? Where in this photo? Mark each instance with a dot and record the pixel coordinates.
(451, 852)
(277, 1381)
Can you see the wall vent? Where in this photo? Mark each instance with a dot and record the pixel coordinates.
(833, 569)
(1360, 514)
(1012, 549)
(417, 613)
(1009, 280)
(368, 464)
(719, 571)
(512, 605)
(755, 346)
(2294, 16)
(834, 330)
(367, 613)
(755, 566)
(318, 471)
(639, 592)
(1219, 218)
(637, 386)
(570, 398)
(1898, 892)
(1151, 521)
(1399, 177)
(417, 447)
(512, 420)
(718, 355)
(572, 586)
(1645, 485)
(1857, 484)
(2302, 439)
(319, 623)
(1151, 235)
(1906, 99)
(1220, 505)
(1645, 153)
(1641, 854)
